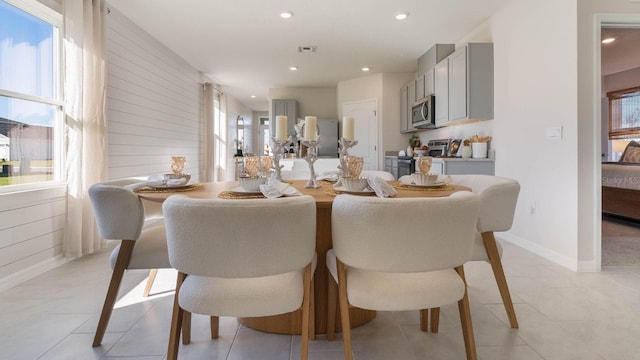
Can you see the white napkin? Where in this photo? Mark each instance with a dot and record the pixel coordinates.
(381, 188)
(157, 181)
(277, 188)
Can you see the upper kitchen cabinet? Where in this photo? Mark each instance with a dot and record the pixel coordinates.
(470, 83)
(420, 87)
(428, 83)
(288, 108)
(404, 109)
(437, 53)
(441, 90)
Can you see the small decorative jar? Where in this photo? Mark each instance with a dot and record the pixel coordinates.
(466, 151)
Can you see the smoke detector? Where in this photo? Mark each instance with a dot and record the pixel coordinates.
(307, 49)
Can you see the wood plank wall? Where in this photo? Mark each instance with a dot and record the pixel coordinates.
(154, 103)
(154, 110)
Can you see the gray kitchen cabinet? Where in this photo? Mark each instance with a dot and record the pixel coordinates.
(411, 87)
(420, 87)
(441, 91)
(428, 83)
(464, 85)
(437, 53)
(470, 92)
(288, 108)
(459, 166)
(404, 109)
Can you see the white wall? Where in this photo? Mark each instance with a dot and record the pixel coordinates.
(312, 101)
(154, 104)
(535, 64)
(589, 90)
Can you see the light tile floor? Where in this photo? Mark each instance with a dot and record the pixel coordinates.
(562, 315)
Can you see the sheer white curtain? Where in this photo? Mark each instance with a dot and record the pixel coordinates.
(208, 93)
(86, 125)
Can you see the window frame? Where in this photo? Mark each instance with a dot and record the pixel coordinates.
(55, 19)
(620, 132)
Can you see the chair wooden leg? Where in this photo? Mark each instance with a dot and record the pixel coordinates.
(344, 311)
(186, 328)
(150, 280)
(215, 326)
(435, 320)
(312, 313)
(306, 309)
(465, 320)
(498, 272)
(424, 320)
(332, 298)
(176, 322)
(122, 262)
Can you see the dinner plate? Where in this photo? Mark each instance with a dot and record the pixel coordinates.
(436, 184)
(164, 187)
(343, 190)
(241, 190)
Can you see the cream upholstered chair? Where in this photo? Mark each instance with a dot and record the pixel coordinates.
(243, 258)
(376, 269)
(498, 198)
(384, 175)
(120, 215)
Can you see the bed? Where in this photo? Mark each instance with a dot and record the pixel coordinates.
(621, 184)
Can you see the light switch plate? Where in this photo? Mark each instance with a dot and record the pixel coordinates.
(554, 133)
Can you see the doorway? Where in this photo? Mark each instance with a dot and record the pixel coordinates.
(619, 69)
(365, 115)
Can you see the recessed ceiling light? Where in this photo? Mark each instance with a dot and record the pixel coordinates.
(286, 14)
(402, 16)
(293, 68)
(608, 40)
(253, 96)
(365, 69)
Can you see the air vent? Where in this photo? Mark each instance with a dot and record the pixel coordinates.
(307, 49)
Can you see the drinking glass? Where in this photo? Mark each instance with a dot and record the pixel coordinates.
(177, 164)
(355, 164)
(251, 166)
(265, 163)
(424, 164)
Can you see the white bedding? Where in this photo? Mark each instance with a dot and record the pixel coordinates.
(621, 175)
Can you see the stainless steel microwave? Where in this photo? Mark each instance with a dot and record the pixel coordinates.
(423, 114)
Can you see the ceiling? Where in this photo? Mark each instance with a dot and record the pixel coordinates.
(246, 48)
(622, 54)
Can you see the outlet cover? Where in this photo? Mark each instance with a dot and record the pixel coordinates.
(553, 133)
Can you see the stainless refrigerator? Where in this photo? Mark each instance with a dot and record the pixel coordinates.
(328, 131)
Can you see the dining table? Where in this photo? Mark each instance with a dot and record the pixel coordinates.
(290, 323)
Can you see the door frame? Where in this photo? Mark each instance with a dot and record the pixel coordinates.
(600, 20)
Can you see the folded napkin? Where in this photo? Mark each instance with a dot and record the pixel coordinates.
(157, 181)
(277, 188)
(381, 188)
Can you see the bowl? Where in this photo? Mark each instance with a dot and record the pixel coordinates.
(354, 183)
(420, 152)
(249, 183)
(173, 176)
(425, 179)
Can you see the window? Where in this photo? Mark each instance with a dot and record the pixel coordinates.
(624, 113)
(31, 115)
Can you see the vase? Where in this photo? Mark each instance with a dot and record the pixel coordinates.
(466, 151)
(409, 151)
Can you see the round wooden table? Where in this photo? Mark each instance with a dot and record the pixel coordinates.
(291, 323)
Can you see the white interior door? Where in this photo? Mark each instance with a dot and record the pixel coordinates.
(365, 118)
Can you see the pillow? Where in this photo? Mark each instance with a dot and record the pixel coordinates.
(631, 153)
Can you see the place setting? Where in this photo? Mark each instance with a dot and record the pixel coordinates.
(170, 182)
(259, 181)
(424, 180)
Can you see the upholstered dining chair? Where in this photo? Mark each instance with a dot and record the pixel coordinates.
(374, 268)
(498, 198)
(242, 258)
(120, 215)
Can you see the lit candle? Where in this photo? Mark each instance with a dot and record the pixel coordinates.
(281, 128)
(310, 131)
(347, 128)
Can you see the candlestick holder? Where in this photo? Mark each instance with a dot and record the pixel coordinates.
(345, 145)
(311, 157)
(277, 147)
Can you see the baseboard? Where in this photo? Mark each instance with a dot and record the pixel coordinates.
(31, 272)
(569, 263)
